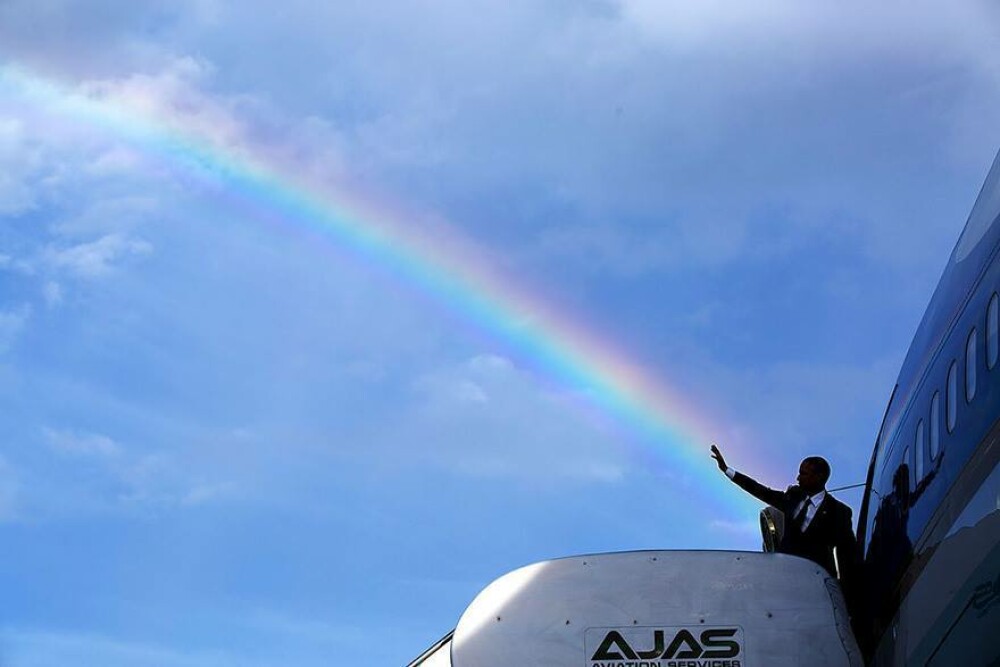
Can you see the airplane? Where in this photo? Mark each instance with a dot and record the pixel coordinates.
(929, 524)
(928, 533)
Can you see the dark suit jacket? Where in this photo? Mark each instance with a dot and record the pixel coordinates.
(829, 529)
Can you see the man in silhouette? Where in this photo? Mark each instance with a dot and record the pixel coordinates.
(816, 523)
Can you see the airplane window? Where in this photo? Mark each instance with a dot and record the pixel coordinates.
(935, 424)
(952, 395)
(970, 367)
(918, 450)
(992, 327)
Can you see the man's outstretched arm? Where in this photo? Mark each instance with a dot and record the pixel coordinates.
(751, 486)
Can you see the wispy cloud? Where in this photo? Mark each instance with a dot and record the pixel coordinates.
(202, 494)
(831, 33)
(19, 167)
(487, 418)
(730, 192)
(74, 443)
(97, 258)
(118, 478)
(52, 292)
(12, 324)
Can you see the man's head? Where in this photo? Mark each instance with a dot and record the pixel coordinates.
(813, 473)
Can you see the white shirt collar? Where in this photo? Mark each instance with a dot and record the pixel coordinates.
(817, 498)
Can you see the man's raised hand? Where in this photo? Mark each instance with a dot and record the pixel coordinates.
(717, 455)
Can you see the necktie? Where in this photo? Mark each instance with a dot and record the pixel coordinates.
(800, 517)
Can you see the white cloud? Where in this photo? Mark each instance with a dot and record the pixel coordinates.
(486, 418)
(156, 482)
(18, 168)
(12, 324)
(207, 493)
(172, 96)
(558, 122)
(490, 364)
(472, 383)
(16, 265)
(82, 444)
(518, 127)
(470, 392)
(847, 31)
(52, 293)
(116, 161)
(120, 478)
(111, 213)
(177, 98)
(97, 258)
(715, 75)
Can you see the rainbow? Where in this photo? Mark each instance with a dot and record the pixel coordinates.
(668, 429)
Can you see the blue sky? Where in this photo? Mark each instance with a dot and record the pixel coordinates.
(227, 441)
